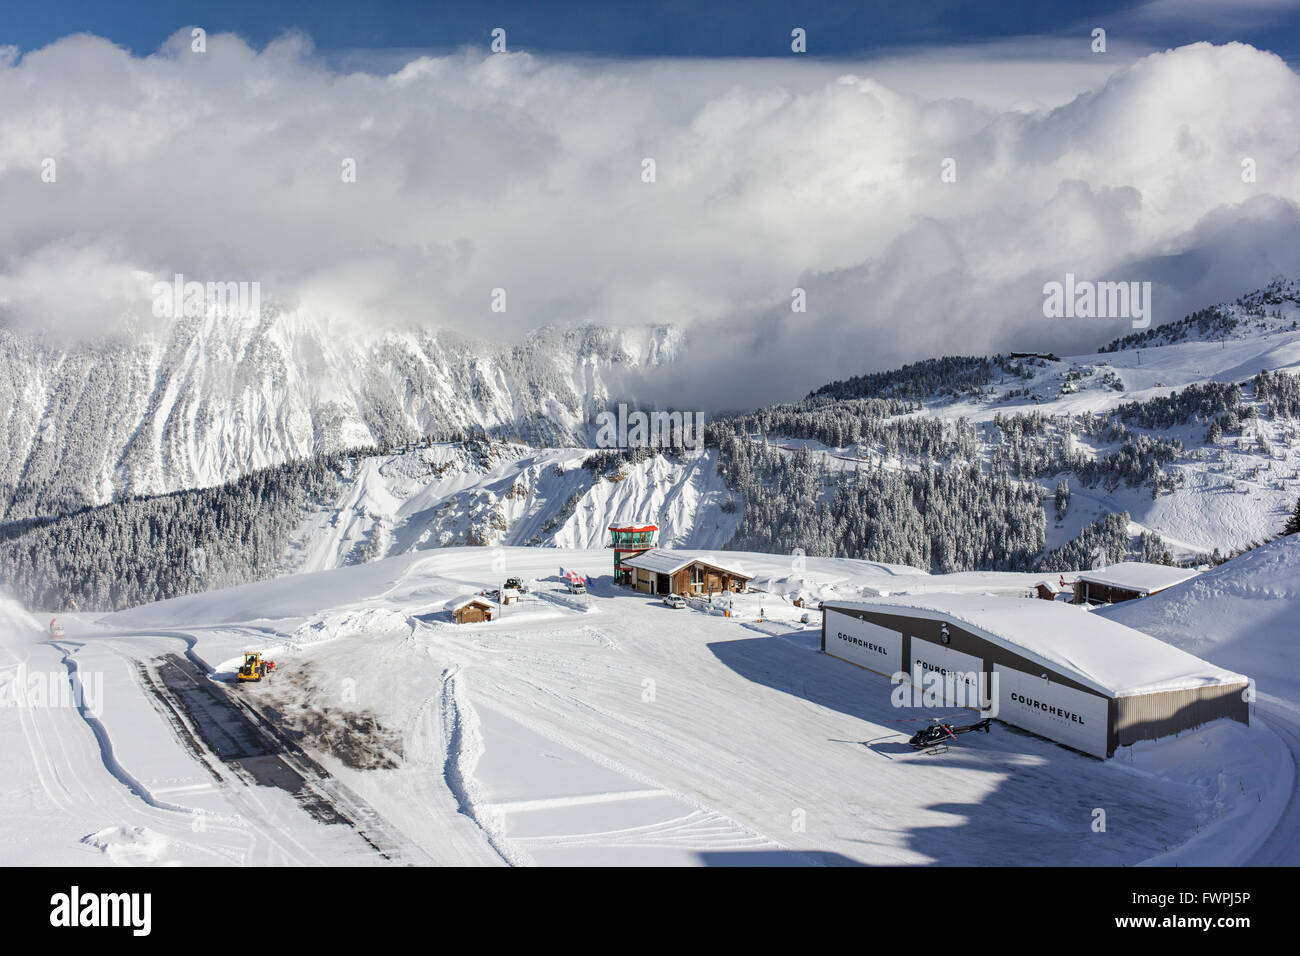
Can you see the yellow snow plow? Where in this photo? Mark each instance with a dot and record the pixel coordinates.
(254, 667)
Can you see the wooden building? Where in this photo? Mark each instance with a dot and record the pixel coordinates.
(1126, 581)
(1049, 590)
(471, 610)
(673, 572)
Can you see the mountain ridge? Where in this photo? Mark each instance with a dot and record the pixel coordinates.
(205, 400)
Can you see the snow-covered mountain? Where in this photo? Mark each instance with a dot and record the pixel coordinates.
(204, 400)
(1216, 490)
(1175, 426)
(1221, 467)
(508, 494)
(1011, 463)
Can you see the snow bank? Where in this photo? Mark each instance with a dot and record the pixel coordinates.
(349, 622)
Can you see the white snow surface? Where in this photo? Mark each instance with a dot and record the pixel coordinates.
(1243, 615)
(608, 730)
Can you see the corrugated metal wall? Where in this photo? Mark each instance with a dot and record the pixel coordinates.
(1149, 716)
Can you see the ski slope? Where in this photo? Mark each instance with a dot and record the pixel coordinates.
(609, 729)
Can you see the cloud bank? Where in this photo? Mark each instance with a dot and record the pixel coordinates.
(477, 172)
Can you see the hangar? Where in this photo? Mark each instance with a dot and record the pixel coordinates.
(1057, 670)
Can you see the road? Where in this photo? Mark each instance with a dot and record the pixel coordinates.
(1282, 848)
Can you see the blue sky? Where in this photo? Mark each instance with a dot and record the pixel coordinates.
(671, 28)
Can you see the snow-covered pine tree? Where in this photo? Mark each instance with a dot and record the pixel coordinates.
(1293, 523)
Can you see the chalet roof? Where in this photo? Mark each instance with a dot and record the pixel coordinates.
(1138, 576)
(662, 561)
(459, 603)
(1056, 587)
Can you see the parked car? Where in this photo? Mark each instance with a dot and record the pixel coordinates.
(674, 600)
(576, 587)
(517, 584)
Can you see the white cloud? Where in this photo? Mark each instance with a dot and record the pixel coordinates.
(476, 172)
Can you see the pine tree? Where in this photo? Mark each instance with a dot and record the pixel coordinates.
(1293, 524)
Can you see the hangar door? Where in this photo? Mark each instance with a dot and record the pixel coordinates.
(1070, 716)
(957, 676)
(863, 643)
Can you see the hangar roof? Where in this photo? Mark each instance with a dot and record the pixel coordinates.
(1112, 659)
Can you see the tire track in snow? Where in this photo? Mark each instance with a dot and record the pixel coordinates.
(703, 828)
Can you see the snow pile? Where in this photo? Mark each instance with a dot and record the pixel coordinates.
(348, 623)
(131, 846)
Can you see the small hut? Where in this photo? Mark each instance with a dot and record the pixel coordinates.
(471, 610)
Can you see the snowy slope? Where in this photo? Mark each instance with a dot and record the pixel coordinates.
(1233, 492)
(511, 494)
(613, 731)
(1244, 615)
(200, 401)
(1229, 494)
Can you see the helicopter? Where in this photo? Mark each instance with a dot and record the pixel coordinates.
(940, 732)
